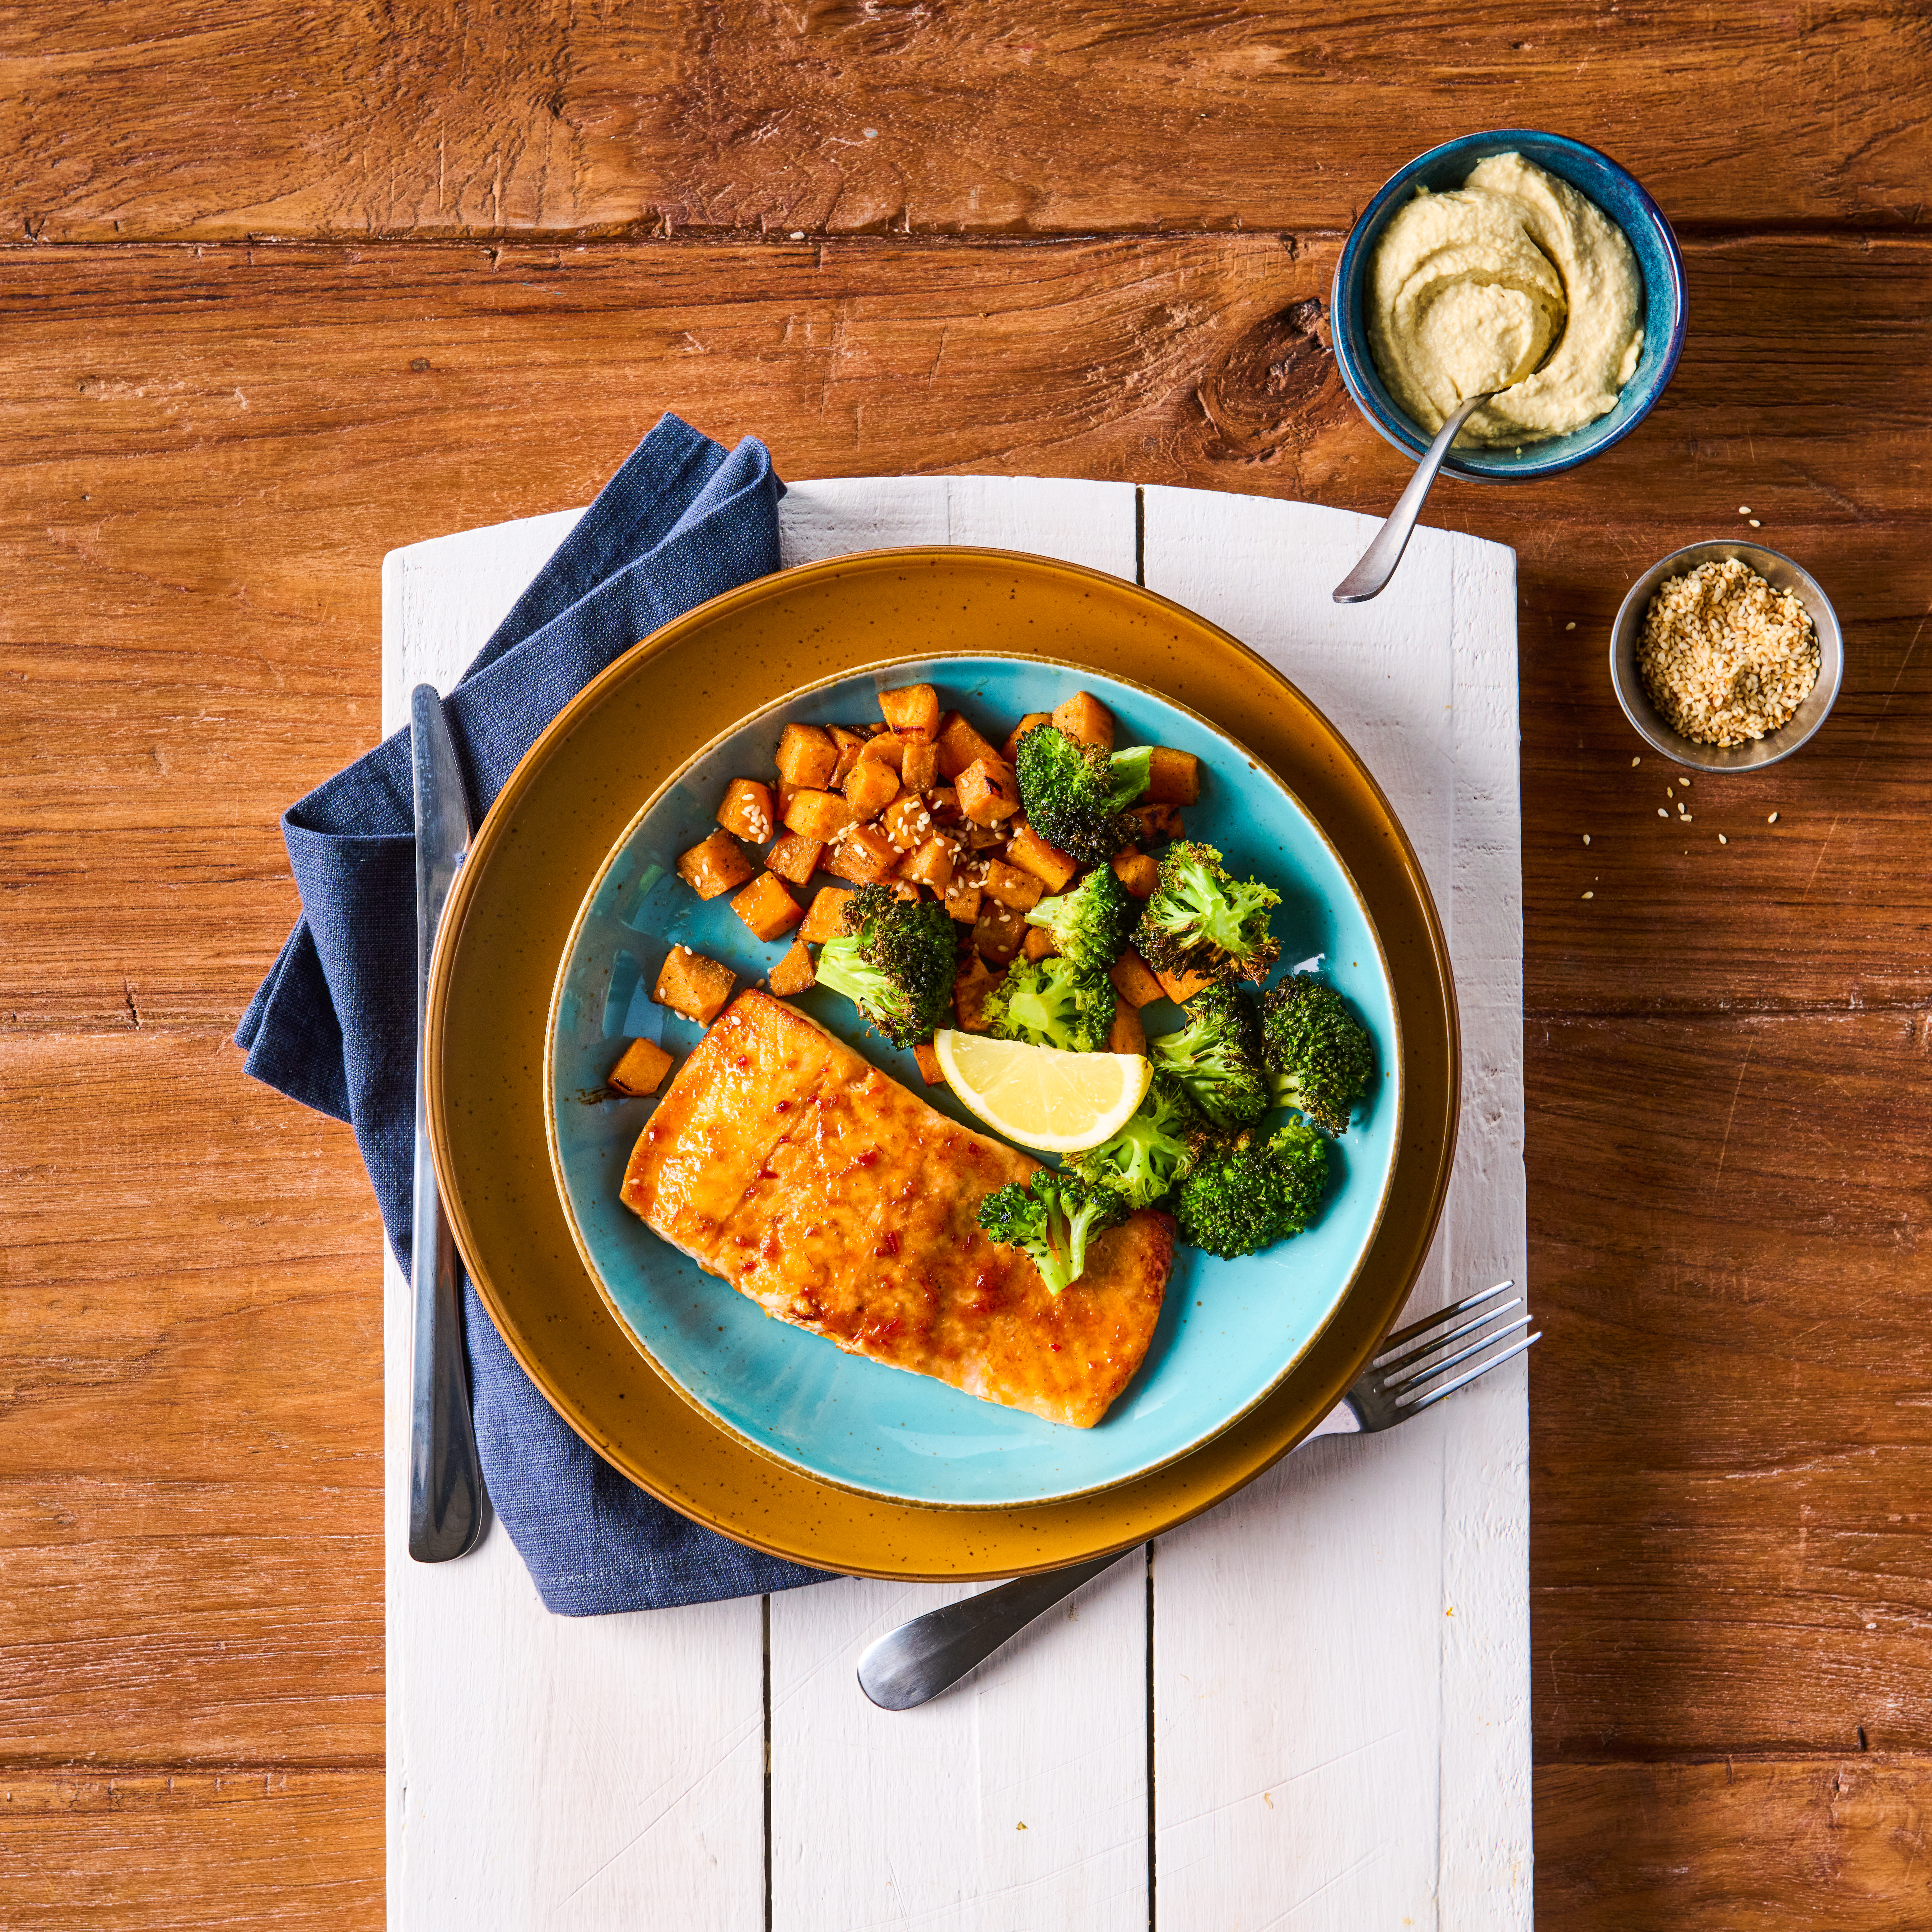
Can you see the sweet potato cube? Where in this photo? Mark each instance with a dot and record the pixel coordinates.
(1031, 853)
(1154, 821)
(766, 907)
(1011, 886)
(826, 918)
(864, 855)
(962, 901)
(795, 972)
(851, 745)
(988, 792)
(1126, 1035)
(997, 932)
(944, 800)
(919, 769)
(806, 755)
(818, 815)
(870, 787)
(1173, 778)
(1010, 750)
(907, 821)
(969, 993)
(1084, 717)
(1137, 871)
(690, 984)
(642, 1069)
(882, 748)
(912, 711)
(1182, 987)
(1133, 980)
(714, 866)
(1039, 943)
(931, 864)
(960, 745)
(929, 1069)
(746, 810)
(795, 858)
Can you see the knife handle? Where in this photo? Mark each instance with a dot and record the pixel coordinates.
(447, 1500)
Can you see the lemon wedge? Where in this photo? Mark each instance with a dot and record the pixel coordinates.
(1058, 1102)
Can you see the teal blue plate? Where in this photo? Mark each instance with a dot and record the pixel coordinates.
(1229, 1331)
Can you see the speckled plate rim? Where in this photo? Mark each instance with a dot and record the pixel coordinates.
(772, 709)
(485, 1110)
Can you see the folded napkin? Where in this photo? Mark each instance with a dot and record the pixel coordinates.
(333, 1024)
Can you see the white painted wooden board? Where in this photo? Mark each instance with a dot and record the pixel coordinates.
(1338, 1658)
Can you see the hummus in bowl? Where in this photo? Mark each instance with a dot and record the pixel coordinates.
(1513, 282)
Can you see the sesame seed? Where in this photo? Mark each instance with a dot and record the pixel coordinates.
(1772, 820)
(1755, 524)
(1586, 838)
(1589, 896)
(1722, 840)
(1725, 656)
(1685, 783)
(1635, 763)
(1683, 818)
(1569, 626)
(1661, 813)
(1668, 792)
(1744, 509)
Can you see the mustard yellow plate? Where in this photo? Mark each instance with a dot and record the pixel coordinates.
(546, 840)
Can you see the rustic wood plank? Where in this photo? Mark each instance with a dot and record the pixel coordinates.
(1008, 119)
(140, 1851)
(1730, 1440)
(1834, 1845)
(190, 1499)
(213, 448)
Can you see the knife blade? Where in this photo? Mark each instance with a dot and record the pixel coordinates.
(447, 1501)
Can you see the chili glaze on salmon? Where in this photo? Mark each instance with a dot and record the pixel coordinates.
(838, 1201)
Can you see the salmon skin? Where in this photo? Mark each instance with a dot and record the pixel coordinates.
(783, 1162)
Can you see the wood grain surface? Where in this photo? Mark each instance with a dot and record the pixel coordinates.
(288, 289)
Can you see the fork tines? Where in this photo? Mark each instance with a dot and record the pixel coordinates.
(1411, 1364)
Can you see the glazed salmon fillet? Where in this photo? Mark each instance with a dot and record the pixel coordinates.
(839, 1201)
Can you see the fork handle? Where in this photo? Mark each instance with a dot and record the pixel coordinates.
(930, 1653)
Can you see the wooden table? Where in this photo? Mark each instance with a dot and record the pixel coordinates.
(288, 289)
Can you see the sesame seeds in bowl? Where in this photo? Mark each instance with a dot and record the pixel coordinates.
(1726, 656)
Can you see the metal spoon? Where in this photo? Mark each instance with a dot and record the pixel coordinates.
(1370, 577)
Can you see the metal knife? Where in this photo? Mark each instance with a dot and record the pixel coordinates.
(447, 1502)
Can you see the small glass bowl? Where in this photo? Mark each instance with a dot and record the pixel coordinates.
(1626, 680)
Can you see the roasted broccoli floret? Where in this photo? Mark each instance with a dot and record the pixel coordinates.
(895, 962)
(1051, 1003)
(1217, 1056)
(1319, 1055)
(1053, 1217)
(1075, 794)
(1143, 1161)
(1248, 1193)
(1201, 920)
(1090, 924)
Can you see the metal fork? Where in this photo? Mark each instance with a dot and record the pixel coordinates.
(1408, 1374)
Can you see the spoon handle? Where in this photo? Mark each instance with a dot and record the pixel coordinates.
(1370, 577)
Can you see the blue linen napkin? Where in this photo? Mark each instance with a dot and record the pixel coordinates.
(333, 1023)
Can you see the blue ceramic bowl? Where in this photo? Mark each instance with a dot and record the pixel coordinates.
(1229, 1331)
(1614, 191)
